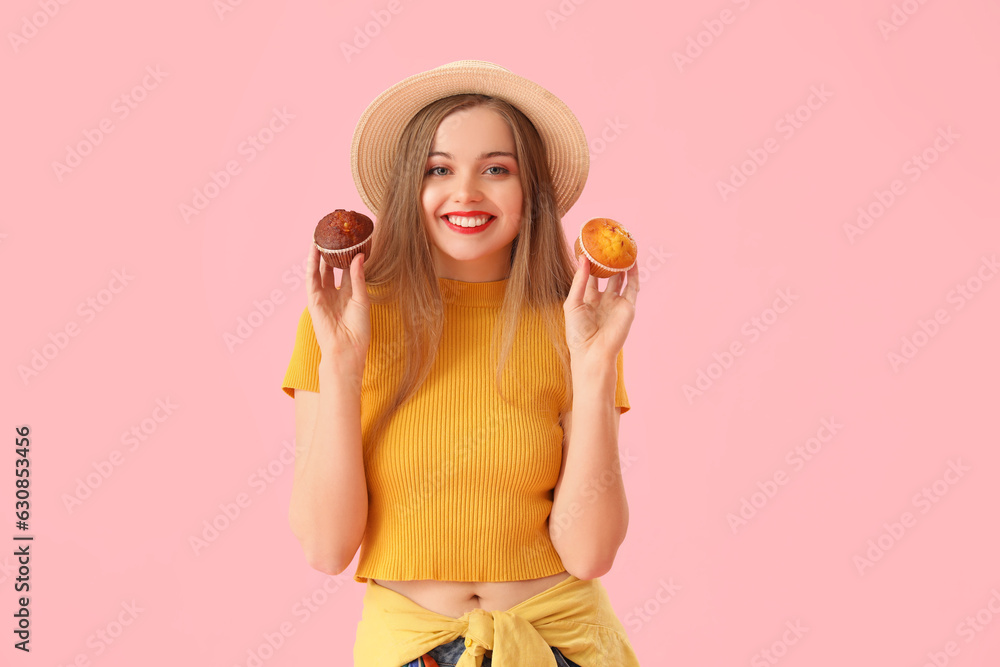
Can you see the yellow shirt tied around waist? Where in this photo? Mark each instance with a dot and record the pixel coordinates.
(574, 616)
(460, 485)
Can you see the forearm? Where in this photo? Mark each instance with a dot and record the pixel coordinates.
(590, 511)
(329, 504)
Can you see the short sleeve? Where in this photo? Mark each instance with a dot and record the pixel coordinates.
(303, 369)
(621, 397)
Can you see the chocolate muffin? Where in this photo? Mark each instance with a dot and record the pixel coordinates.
(343, 234)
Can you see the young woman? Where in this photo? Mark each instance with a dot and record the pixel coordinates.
(457, 397)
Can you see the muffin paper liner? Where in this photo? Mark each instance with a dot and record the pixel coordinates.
(342, 258)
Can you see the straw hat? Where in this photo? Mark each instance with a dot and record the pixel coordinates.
(377, 133)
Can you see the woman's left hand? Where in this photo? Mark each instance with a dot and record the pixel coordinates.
(597, 323)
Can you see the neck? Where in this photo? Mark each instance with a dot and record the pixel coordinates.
(479, 270)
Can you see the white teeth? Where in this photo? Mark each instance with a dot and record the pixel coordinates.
(469, 221)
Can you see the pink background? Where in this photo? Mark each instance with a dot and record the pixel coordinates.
(664, 134)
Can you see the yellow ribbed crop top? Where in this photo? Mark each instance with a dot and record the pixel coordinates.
(460, 485)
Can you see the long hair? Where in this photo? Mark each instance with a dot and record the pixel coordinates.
(541, 267)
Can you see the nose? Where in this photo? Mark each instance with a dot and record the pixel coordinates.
(467, 188)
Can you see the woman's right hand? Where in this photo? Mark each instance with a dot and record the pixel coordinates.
(340, 316)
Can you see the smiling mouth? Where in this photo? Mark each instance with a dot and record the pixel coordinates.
(469, 221)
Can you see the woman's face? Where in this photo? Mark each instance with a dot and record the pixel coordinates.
(471, 178)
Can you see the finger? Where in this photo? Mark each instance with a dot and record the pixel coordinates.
(313, 282)
(611, 289)
(346, 289)
(576, 290)
(593, 294)
(358, 278)
(613, 286)
(325, 270)
(632, 286)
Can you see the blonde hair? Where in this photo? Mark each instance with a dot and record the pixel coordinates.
(541, 267)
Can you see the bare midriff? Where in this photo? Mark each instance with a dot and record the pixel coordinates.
(454, 598)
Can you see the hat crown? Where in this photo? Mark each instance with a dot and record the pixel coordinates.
(380, 126)
(473, 63)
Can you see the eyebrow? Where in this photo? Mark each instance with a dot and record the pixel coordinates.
(482, 156)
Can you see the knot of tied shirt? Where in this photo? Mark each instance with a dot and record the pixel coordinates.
(513, 640)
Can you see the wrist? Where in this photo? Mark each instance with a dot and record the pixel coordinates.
(340, 372)
(601, 368)
(597, 380)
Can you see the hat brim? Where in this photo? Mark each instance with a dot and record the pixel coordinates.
(377, 133)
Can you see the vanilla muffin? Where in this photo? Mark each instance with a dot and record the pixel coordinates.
(609, 247)
(343, 234)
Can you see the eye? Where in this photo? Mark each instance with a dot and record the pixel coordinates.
(433, 171)
(501, 170)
